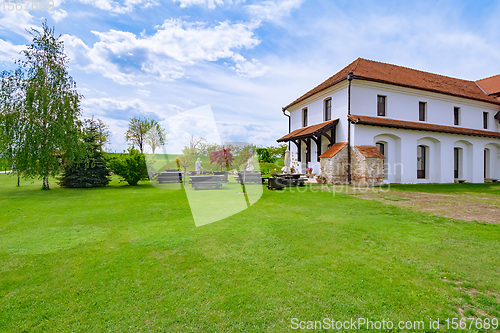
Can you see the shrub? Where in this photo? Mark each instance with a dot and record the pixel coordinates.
(91, 170)
(82, 175)
(265, 156)
(222, 157)
(130, 167)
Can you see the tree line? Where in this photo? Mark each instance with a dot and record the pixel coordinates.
(43, 134)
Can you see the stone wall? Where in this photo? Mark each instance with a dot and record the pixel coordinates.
(334, 169)
(365, 171)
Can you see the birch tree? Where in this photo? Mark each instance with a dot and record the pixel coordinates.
(137, 131)
(155, 138)
(40, 109)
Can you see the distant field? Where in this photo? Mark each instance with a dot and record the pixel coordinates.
(130, 259)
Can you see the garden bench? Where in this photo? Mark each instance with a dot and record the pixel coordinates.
(490, 180)
(214, 181)
(169, 177)
(249, 178)
(224, 174)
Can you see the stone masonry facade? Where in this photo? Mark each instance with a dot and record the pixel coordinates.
(367, 166)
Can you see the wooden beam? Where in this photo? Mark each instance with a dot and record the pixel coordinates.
(329, 138)
(299, 150)
(317, 140)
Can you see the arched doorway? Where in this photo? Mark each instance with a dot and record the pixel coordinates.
(486, 163)
(382, 147)
(391, 146)
(463, 162)
(458, 163)
(422, 162)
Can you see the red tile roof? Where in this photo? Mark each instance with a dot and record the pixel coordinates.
(491, 85)
(402, 76)
(333, 150)
(421, 126)
(370, 151)
(309, 130)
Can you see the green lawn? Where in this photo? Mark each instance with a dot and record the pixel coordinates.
(130, 259)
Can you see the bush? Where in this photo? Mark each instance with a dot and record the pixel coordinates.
(265, 156)
(130, 167)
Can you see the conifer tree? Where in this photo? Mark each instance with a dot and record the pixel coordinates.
(92, 171)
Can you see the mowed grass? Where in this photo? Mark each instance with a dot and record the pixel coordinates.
(130, 259)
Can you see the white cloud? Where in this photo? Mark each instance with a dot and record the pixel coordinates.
(207, 3)
(120, 109)
(8, 51)
(59, 15)
(273, 11)
(116, 7)
(16, 22)
(125, 57)
(117, 113)
(247, 68)
(144, 92)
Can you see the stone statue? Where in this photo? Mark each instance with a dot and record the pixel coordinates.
(197, 166)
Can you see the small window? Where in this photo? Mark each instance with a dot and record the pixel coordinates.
(381, 105)
(304, 117)
(328, 109)
(485, 120)
(381, 147)
(422, 111)
(456, 116)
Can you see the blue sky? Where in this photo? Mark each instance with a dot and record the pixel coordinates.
(247, 59)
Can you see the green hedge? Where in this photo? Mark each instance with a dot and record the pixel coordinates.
(4, 165)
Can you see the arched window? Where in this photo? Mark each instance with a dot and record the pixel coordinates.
(486, 163)
(422, 162)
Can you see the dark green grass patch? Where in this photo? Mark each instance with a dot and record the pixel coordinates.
(125, 258)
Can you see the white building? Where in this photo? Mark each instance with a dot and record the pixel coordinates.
(430, 128)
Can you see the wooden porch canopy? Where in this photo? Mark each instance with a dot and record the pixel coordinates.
(313, 132)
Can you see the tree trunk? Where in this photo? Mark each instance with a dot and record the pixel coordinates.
(45, 185)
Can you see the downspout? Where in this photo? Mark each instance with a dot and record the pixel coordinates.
(289, 124)
(349, 78)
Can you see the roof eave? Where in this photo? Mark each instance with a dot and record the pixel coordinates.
(359, 121)
(300, 99)
(492, 101)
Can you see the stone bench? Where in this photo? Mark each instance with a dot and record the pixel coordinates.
(169, 177)
(459, 181)
(206, 181)
(490, 180)
(248, 178)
